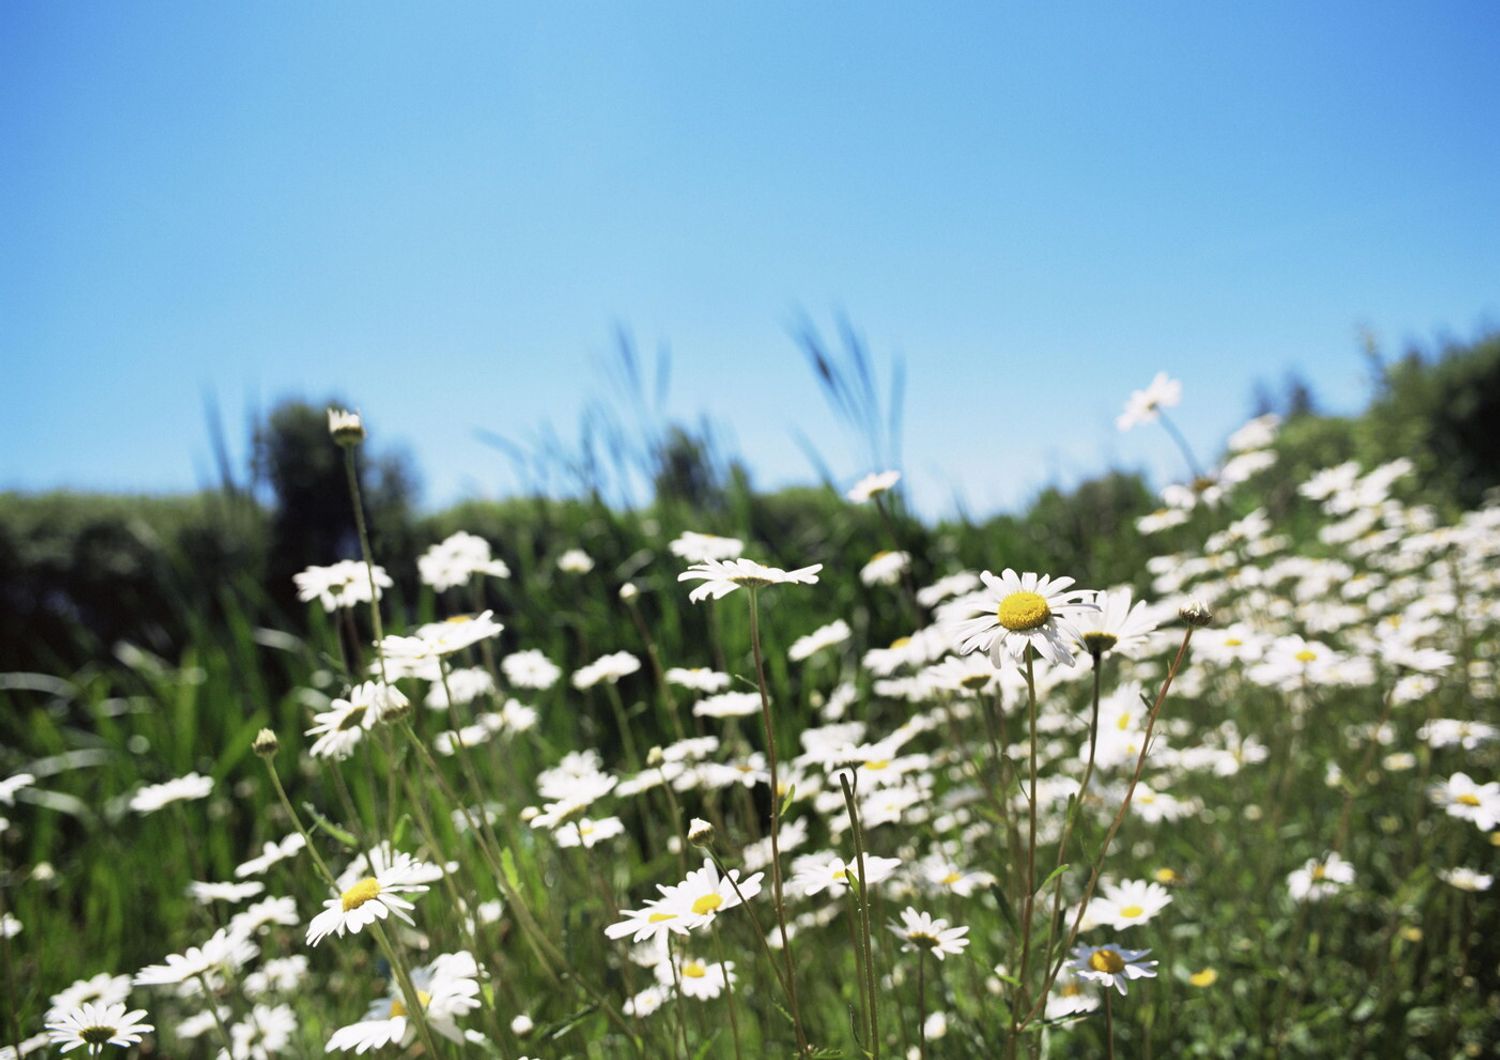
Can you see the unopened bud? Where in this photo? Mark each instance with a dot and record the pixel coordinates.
(266, 744)
(629, 592)
(700, 832)
(654, 757)
(522, 1025)
(346, 427)
(1196, 614)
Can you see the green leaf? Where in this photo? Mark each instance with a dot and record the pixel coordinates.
(1054, 874)
(791, 793)
(508, 865)
(338, 834)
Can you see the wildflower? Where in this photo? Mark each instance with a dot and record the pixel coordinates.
(279, 975)
(465, 685)
(103, 990)
(1205, 978)
(951, 585)
(728, 705)
(702, 548)
(885, 568)
(346, 428)
(1020, 612)
(1466, 879)
(448, 988)
(1450, 732)
(872, 485)
(575, 561)
(652, 921)
(369, 899)
(95, 1026)
(1144, 406)
(942, 875)
(456, 559)
(1071, 996)
(700, 832)
(340, 728)
(458, 632)
(587, 833)
(921, 932)
(1132, 902)
(530, 669)
(1319, 877)
(344, 584)
(698, 678)
(645, 1002)
(266, 743)
(698, 979)
(609, 668)
(225, 949)
(815, 873)
(249, 921)
(1468, 801)
(224, 892)
(1112, 966)
(153, 797)
(722, 577)
(704, 894)
(831, 635)
(1118, 625)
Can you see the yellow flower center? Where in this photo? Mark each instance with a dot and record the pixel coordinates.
(1411, 933)
(657, 918)
(1071, 990)
(1023, 611)
(1166, 876)
(1467, 799)
(1107, 961)
(458, 620)
(880, 763)
(694, 970)
(1233, 642)
(1319, 872)
(842, 875)
(360, 893)
(585, 827)
(707, 904)
(1306, 655)
(97, 1035)
(952, 878)
(879, 555)
(1130, 912)
(398, 1007)
(1123, 723)
(1207, 977)
(1099, 642)
(900, 642)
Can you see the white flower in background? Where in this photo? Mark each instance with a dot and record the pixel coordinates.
(831, 635)
(448, 989)
(1466, 879)
(1468, 801)
(1144, 406)
(1319, 877)
(885, 568)
(265, 1032)
(456, 559)
(344, 584)
(812, 874)
(207, 893)
(345, 427)
(698, 979)
(921, 931)
(1129, 903)
(1020, 611)
(872, 485)
(1112, 966)
(153, 797)
(701, 548)
(1451, 732)
(95, 1026)
(952, 585)
(530, 669)
(1258, 433)
(575, 561)
(466, 684)
(251, 920)
(271, 853)
(608, 668)
(103, 989)
(586, 832)
(1119, 625)
(728, 705)
(698, 678)
(226, 949)
(722, 577)
(443, 638)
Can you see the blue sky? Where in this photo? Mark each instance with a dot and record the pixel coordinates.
(443, 212)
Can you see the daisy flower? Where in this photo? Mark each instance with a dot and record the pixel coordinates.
(698, 678)
(340, 728)
(652, 921)
(702, 548)
(153, 797)
(1132, 902)
(575, 561)
(728, 705)
(530, 669)
(921, 932)
(722, 577)
(587, 833)
(814, 873)
(873, 484)
(1319, 877)
(952, 585)
(885, 568)
(699, 979)
(1466, 879)
(96, 1025)
(831, 635)
(456, 559)
(271, 853)
(1017, 612)
(704, 894)
(264, 1033)
(458, 632)
(370, 898)
(1118, 625)
(609, 668)
(448, 988)
(225, 949)
(344, 584)
(1112, 966)
(1468, 801)
(103, 990)
(1144, 406)
(262, 914)
(207, 893)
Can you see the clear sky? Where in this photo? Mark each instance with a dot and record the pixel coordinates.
(442, 211)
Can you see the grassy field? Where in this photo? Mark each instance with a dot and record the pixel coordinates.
(1269, 791)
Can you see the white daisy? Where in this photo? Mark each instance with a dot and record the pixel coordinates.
(831, 635)
(1131, 902)
(271, 853)
(153, 797)
(1319, 877)
(456, 559)
(530, 669)
(700, 548)
(885, 568)
(921, 931)
(873, 484)
(1468, 801)
(1144, 406)
(575, 561)
(722, 577)
(367, 900)
(448, 989)
(226, 949)
(1112, 966)
(609, 668)
(698, 678)
(95, 1026)
(103, 989)
(1017, 612)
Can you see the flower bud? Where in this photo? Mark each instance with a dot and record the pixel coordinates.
(266, 744)
(1196, 614)
(346, 427)
(700, 832)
